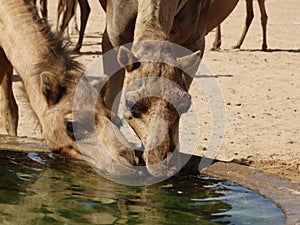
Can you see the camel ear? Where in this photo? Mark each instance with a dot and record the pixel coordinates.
(127, 59)
(50, 87)
(189, 62)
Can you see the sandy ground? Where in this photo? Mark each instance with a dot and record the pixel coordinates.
(261, 90)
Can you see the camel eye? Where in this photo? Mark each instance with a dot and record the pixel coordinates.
(70, 128)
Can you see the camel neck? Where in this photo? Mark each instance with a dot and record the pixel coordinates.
(153, 20)
(22, 38)
(26, 47)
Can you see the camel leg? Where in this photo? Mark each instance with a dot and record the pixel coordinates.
(74, 26)
(44, 10)
(8, 106)
(218, 40)
(249, 18)
(115, 83)
(264, 20)
(60, 9)
(85, 12)
(68, 13)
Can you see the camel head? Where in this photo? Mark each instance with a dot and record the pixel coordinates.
(76, 120)
(156, 95)
(57, 120)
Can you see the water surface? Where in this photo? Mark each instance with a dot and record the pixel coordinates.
(35, 188)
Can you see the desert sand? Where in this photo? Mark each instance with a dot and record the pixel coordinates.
(261, 90)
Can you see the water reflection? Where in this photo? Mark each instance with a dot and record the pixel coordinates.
(37, 189)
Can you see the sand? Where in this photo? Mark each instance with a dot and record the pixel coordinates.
(260, 90)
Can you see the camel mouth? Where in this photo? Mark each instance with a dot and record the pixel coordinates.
(106, 149)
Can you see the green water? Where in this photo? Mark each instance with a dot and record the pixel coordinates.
(37, 189)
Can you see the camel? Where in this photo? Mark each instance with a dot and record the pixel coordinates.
(152, 26)
(249, 18)
(51, 79)
(70, 12)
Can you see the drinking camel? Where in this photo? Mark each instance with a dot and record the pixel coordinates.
(152, 26)
(51, 79)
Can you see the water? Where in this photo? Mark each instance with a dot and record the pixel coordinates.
(37, 189)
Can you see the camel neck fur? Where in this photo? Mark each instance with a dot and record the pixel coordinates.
(24, 41)
(31, 48)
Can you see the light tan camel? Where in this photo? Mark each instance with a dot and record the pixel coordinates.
(50, 79)
(249, 18)
(151, 25)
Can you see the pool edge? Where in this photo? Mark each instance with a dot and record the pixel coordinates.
(283, 192)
